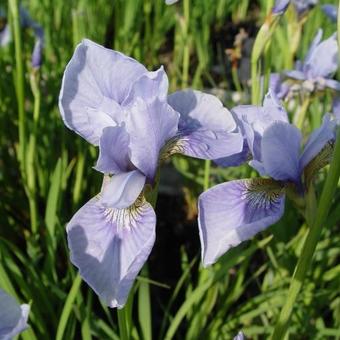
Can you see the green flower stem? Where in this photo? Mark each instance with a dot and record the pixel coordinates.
(122, 324)
(186, 47)
(151, 195)
(79, 176)
(310, 243)
(19, 69)
(236, 80)
(207, 166)
(261, 44)
(31, 153)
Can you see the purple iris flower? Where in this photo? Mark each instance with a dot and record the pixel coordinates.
(13, 317)
(114, 102)
(279, 86)
(336, 109)
(280, 6)
(5, 33)
(26, 22)
(331, 11)
(319, 65)
(170, 2)
(239, 336)
(235, 211)
(301, 6)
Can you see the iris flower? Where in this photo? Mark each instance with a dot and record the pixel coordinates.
(26, 22)
(13, 317)
(239, 336)
(235, 211)
(331, 11)
(112, 101)
(319, 65)
(301, 6)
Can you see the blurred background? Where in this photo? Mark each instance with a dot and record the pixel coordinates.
(46, 174)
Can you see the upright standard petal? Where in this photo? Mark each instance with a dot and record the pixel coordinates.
(207, 129)
(254, 120)
(201, 110)
(122, 190)
(113, 151)
(317, 140)
(13, 317)
(278, 86)
(236, 159)
(280, 148)
(110, 246)
(233, 212)
(150, 126)
(323, 60)
(96, 81)
(149, 86)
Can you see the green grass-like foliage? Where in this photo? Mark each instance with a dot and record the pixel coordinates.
(46, 175)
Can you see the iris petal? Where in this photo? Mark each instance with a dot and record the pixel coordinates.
(150, 126)
(207, 129)
(280, 149)
(122, 190)
(317, 140)
(322, 61)
(13, 317)
(233, 212)
(95, 83)
(110, 246)
(149, 86)
(113, 150)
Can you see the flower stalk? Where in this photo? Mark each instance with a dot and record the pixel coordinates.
(310, 243)
(20, 92)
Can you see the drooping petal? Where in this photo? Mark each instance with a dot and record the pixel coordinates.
(317, 140)
(170, 2)
(233, 212)
(149, 86)
(207, 144)
(205, 126)
(123, 189)
(280, 147)
(110, 246)
(150, 126)
(236, 159)
(13, 317)
(113, 150)
(96, 81)
(323, 61)
(201, 110)
(295, 74)
(332, 84)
